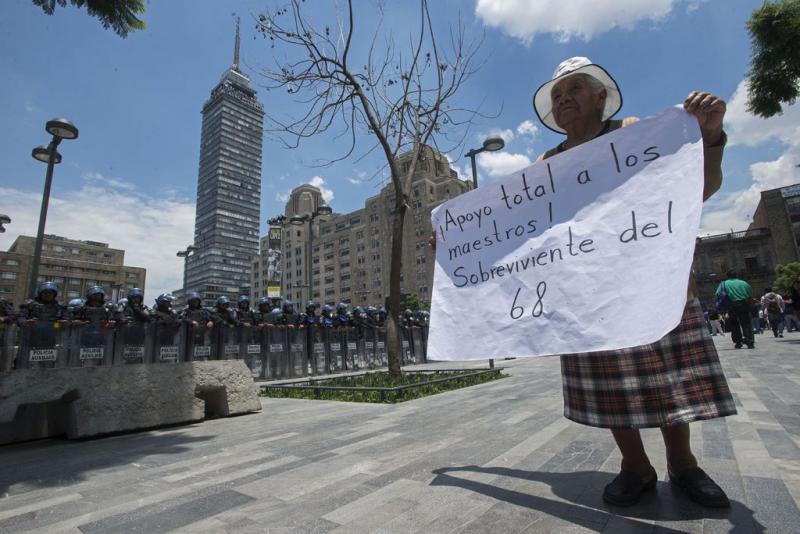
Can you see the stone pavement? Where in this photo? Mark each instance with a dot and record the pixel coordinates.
(497, 457)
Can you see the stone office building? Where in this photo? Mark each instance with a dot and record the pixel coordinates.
(73, 265)
(351, 252)
(778, 211)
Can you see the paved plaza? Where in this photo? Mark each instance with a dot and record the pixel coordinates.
(497, 457)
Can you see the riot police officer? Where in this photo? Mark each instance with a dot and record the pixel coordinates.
(244, 314)
(407, 319)
(73, 306)
(380, 317)
(134, 310)
(7, 313)
(326, 316)
(94, 310)
(163, 311)
(263, 316)
(357, 317)
(45, 306)
(194, 314)
(223, 315)
(310, 317)
(342, 318)
(371, 318)
(422, 318)
(289, 316)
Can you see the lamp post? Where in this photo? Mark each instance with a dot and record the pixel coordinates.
(491, 144)
(59, 129)
(297, 220)
(190, 250)
(4, 219)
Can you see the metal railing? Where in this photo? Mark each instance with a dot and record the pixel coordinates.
(271, 352)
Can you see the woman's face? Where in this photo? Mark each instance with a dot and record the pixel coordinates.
(574, 101)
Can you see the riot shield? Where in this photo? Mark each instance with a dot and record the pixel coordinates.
(424, 331)
(354, 356)
(337, 342)
(250, 349)
(199, 343)
(318, 349)
(416, 344)
(91, 345)
(381, 354)
(298, 356)
(43, 344)
(227, 342)
(167, 342)
(370, 347)
(8, 346)
(406, 354)
(277, 353)
(132, 343)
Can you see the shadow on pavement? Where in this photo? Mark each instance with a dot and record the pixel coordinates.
(582, 491)
(59, 462)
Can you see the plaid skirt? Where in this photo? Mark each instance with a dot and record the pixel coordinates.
(677, 379)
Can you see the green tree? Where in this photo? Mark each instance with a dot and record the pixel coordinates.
(786, 275)
(119, 15)
(414, 304)
(775, 66)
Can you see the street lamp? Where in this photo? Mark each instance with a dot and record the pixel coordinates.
(4, 219)
(190, 250)
(323, 210)
(59, 129)
(491, 144)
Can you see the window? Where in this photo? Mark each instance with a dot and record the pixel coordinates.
(11, 262)
(329, 279)
(76, 251)
(8, 276)
(57, 248)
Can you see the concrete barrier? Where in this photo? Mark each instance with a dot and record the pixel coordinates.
(82, 402)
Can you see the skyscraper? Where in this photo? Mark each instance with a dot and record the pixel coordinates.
(228, 212)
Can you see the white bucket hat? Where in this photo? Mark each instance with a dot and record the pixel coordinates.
(543, 104)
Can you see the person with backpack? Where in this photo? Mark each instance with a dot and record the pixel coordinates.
(734, 296)
(774, 307)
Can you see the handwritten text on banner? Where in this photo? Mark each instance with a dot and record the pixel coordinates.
(588, 250)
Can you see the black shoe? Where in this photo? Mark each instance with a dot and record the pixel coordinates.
(700, 488)
(751, 346)
(738, 346)
(627, 487)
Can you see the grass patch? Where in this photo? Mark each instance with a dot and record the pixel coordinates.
(381, 387)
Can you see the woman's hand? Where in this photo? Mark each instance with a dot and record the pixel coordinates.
(709, 110)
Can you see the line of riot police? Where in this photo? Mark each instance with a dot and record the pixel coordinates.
(276, 341)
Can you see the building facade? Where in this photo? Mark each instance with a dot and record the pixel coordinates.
(73, 265)
(779, 211)
(350, 253)
(228, 211)
(750, 253)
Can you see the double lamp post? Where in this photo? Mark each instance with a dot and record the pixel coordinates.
(300, 220)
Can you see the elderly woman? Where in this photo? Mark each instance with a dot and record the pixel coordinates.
(665, 384)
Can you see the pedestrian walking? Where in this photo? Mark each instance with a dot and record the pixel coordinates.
(739, 297)
(773, 306)
(716, 323)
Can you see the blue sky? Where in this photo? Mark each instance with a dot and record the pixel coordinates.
(130, 178)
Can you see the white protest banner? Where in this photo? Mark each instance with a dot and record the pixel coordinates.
(588, 250)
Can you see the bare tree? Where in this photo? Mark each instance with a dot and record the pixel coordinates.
(401, 99)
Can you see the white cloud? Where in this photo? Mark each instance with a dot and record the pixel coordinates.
(499, 164)
(527, 127)
(360, 178)
(283, 197)
(746, 129)
(734, 210)
(507, 135)
(150, 230)
(327, 193)
(95, 177)
(568, 19)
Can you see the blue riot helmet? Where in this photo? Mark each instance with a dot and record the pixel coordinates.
(192, 297)
(74, 304)
(276, 312)
(371, 310)
(382, 311)
(263, 302)
(326, 309)
(122, 302)
(223, 301)
(311, 305)
(358, 310)
(95, 290)
(48, 286)
(420, 314)
(407, 313)
(135, 293)
(341, 307)
(288, 306)
(164, 298)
